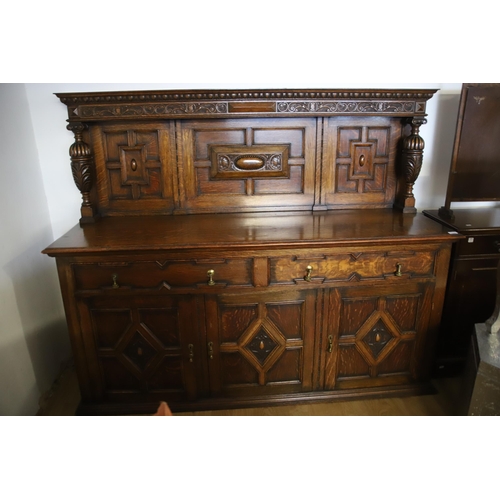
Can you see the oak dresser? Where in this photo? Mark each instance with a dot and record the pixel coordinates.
(243, 248)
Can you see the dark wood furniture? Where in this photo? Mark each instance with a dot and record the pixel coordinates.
(474, 176)
(241, 248)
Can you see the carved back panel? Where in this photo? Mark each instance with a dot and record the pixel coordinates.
(247, 164)
(230, 151)
(359, 161)
(135, 167)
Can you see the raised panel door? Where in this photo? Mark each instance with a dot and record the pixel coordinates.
(376, 336)
(261, 343)
(142, 348)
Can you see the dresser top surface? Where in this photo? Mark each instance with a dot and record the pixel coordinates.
(248, 231)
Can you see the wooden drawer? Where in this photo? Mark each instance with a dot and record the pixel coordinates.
(368, 265)
(479, 245)
(158, 274)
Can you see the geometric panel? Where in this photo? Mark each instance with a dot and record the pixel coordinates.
(362, 159)
(117, 377)
(398, 360)
(287, 317)
(355, 312)
(168, 375)
(133, 164)
(404, 311)
(351, 362)
(139, 351)
(236, 369)
(289, 369)
(261, 346)
(163, 324)
(235, 320)
(377, 338)
(227, 158)
(110, 325)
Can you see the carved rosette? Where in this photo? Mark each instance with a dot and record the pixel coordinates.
(82, 167)
(411, 163)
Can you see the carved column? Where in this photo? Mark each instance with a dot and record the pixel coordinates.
(411, 163)
(82, 166)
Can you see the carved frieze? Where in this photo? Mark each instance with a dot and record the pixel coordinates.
(350, 107)
(158, 110)
(334, 107)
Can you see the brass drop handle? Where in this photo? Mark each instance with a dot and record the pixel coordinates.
(398, 270)
(191, 352)
(377, 337)
(114, 277)
(210, 275)
(211, 350)
(133, 165)
(307, 277)
(330, 343)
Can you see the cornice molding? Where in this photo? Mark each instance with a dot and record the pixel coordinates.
(194, 95)
(202, 103)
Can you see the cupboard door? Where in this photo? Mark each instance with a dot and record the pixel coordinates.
(142, 348)
(261, 343)
(377, 336)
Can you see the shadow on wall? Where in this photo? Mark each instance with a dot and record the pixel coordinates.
(435, 183)
(14, 401)
(36, 288)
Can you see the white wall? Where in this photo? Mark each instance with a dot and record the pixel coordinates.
(39, 202)
(33, 337)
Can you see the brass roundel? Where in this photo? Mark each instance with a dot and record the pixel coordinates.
(249, 162)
